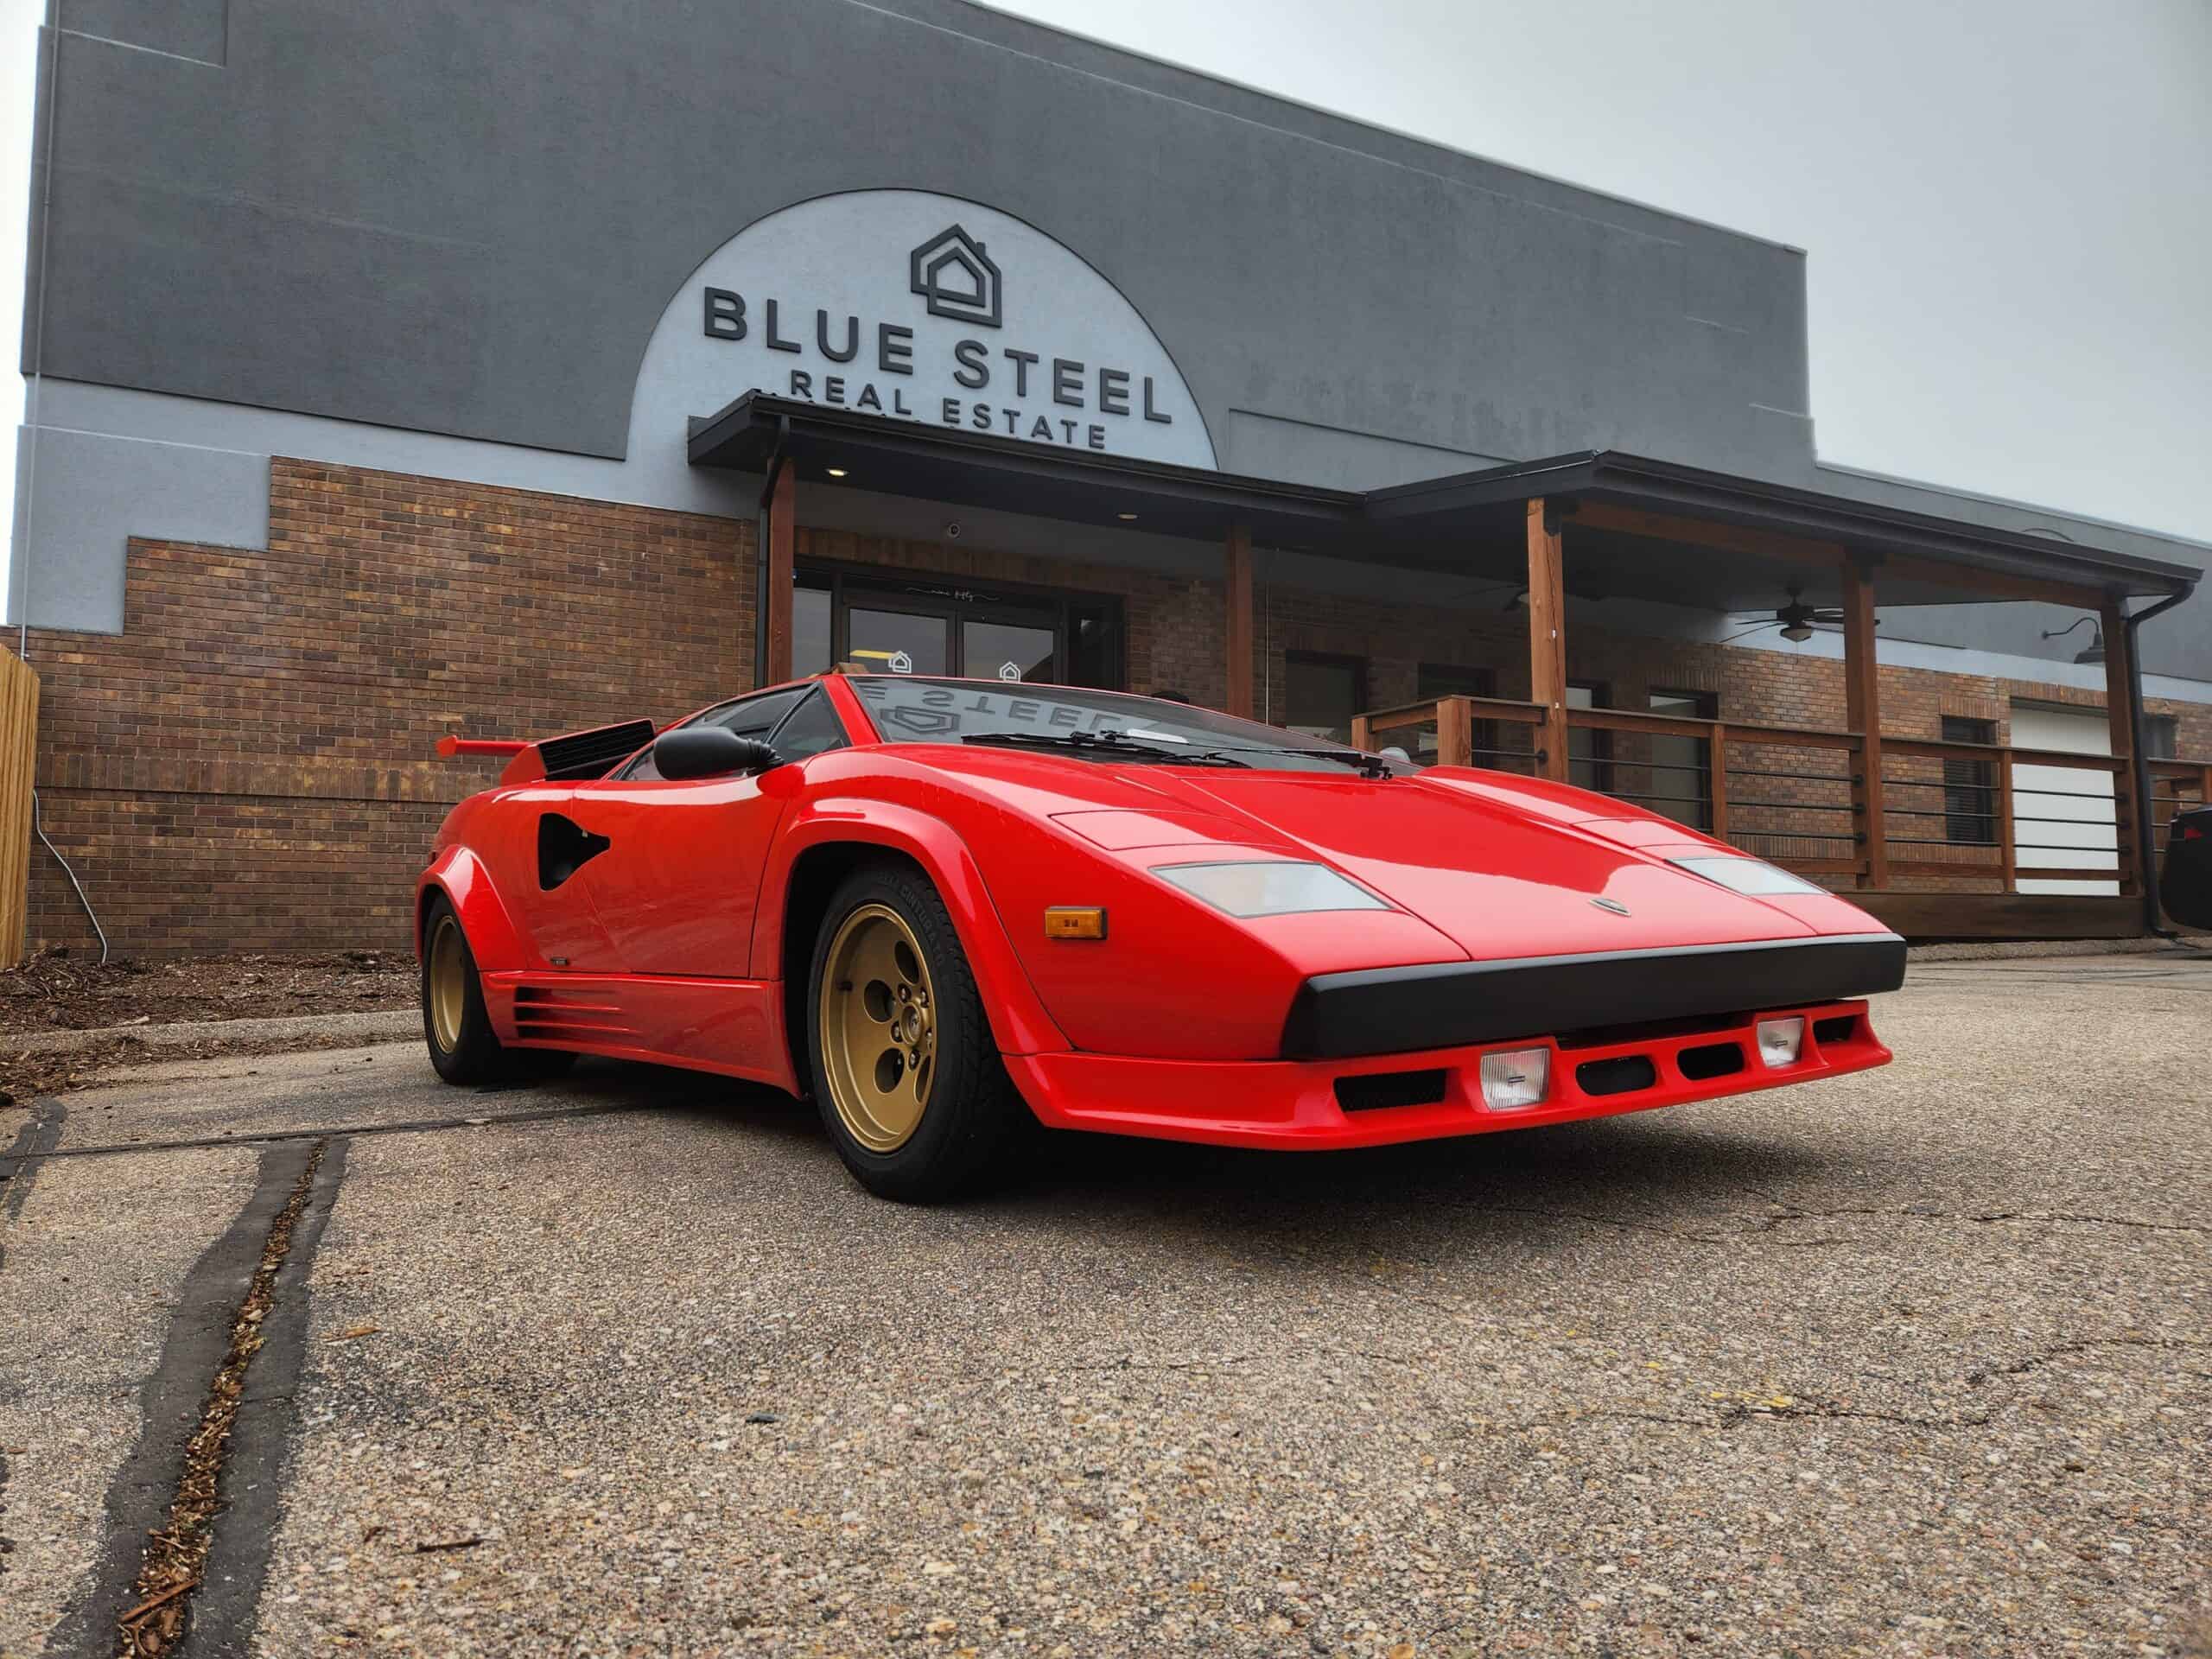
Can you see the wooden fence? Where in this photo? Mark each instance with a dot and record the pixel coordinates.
(18, 744)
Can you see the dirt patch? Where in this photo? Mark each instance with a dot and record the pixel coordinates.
(57, 990)
(25, 1077)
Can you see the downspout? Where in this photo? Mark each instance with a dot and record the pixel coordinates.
(760, 553)
(2145, 835)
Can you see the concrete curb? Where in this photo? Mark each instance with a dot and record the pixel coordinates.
(371, 1027)
(2006, 950)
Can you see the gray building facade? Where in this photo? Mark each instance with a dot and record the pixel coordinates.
(528, 246)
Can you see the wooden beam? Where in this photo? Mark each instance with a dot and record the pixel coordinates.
(1547, 641)
(1805, 550)
(1862, 694)
(2112, 620)
(2008, 852)
(1716, 782)
(775, 625)
(1236, 561)
(1707, 532)
(1455, 731)
(1994, 583)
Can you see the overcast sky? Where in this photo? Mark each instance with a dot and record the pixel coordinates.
(2005, 202)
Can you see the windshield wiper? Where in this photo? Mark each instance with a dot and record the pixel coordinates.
(1374, 765)
(1123, 745)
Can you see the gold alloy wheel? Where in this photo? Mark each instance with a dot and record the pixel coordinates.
(448, 990)
(878, 1027)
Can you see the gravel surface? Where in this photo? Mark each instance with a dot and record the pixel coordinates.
(1913, 1363)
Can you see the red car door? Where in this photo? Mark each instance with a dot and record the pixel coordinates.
(677, 885)
(539, 852)
(676, 889)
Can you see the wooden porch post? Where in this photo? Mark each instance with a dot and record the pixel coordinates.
(2113, 621)
(773, 624)
(1547, 641)
(1236, 570)
(1862, 693)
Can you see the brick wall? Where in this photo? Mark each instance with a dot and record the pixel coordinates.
(248, 766)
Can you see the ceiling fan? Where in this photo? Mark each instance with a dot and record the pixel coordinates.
(1796, 619)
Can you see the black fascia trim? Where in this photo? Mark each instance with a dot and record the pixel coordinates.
(740, 435)
(721, 440)
(1639, 481)
(1455, 1004)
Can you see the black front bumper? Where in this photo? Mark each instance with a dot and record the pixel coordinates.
(1453, 1004)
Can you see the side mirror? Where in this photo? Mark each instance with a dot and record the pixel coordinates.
(710, 752)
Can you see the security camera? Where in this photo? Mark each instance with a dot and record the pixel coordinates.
(952, 532)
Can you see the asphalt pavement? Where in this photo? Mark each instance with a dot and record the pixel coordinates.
(1918, 1362)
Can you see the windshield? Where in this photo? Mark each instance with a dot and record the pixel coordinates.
(1071, 720)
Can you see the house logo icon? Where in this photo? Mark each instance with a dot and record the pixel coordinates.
(957, 277)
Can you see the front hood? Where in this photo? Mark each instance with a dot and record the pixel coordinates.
(1497, 878)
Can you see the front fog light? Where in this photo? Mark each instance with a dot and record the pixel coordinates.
(1781, 1041)
(1516, 1079)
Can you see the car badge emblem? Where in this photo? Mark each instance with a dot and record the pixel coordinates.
(1614, 904)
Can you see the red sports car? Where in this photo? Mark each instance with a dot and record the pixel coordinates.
(943, 906)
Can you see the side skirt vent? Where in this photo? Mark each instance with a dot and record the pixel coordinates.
(552, 1013)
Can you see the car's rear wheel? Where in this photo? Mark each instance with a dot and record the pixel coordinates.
(464, 1048)
(905, 1073)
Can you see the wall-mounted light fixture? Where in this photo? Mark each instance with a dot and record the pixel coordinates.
(2092, 652)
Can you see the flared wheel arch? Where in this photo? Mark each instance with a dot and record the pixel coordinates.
(1019, 1022)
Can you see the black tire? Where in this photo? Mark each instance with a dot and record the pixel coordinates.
(973, 1118)
(471, 1052)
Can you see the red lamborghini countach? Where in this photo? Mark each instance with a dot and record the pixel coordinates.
(941, 907)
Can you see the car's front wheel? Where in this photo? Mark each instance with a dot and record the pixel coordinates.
(464, 1048)
(905, 1073)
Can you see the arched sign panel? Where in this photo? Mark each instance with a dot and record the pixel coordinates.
(923, 308)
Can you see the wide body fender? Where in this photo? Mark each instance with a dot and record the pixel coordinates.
(1019, 1021)
(493, 937)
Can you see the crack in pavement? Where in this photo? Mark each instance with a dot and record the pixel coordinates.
(2079, 1345)
(1734, 1413)
(345, 1131)
(174, 1401)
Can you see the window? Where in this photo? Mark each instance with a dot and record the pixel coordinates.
(753, 716)
(1589, 751)
(2161, 737)
(1101, 727)
(1969, 785)
(1681, 767)
(811, 728)
(1321, 693)
(1453, 680)
(810, 615)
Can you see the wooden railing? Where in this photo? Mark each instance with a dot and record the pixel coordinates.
(1951, 816)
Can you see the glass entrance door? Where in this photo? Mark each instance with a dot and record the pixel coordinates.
(995, 648)
(898, 641)
(966, 635)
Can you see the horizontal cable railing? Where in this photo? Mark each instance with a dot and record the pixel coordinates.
(1963, 817)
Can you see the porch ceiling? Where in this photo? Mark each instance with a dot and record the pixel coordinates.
(1628, 525)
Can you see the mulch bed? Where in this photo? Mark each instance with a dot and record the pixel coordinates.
(60, 991)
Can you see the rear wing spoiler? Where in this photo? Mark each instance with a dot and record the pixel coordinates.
(574, 755)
